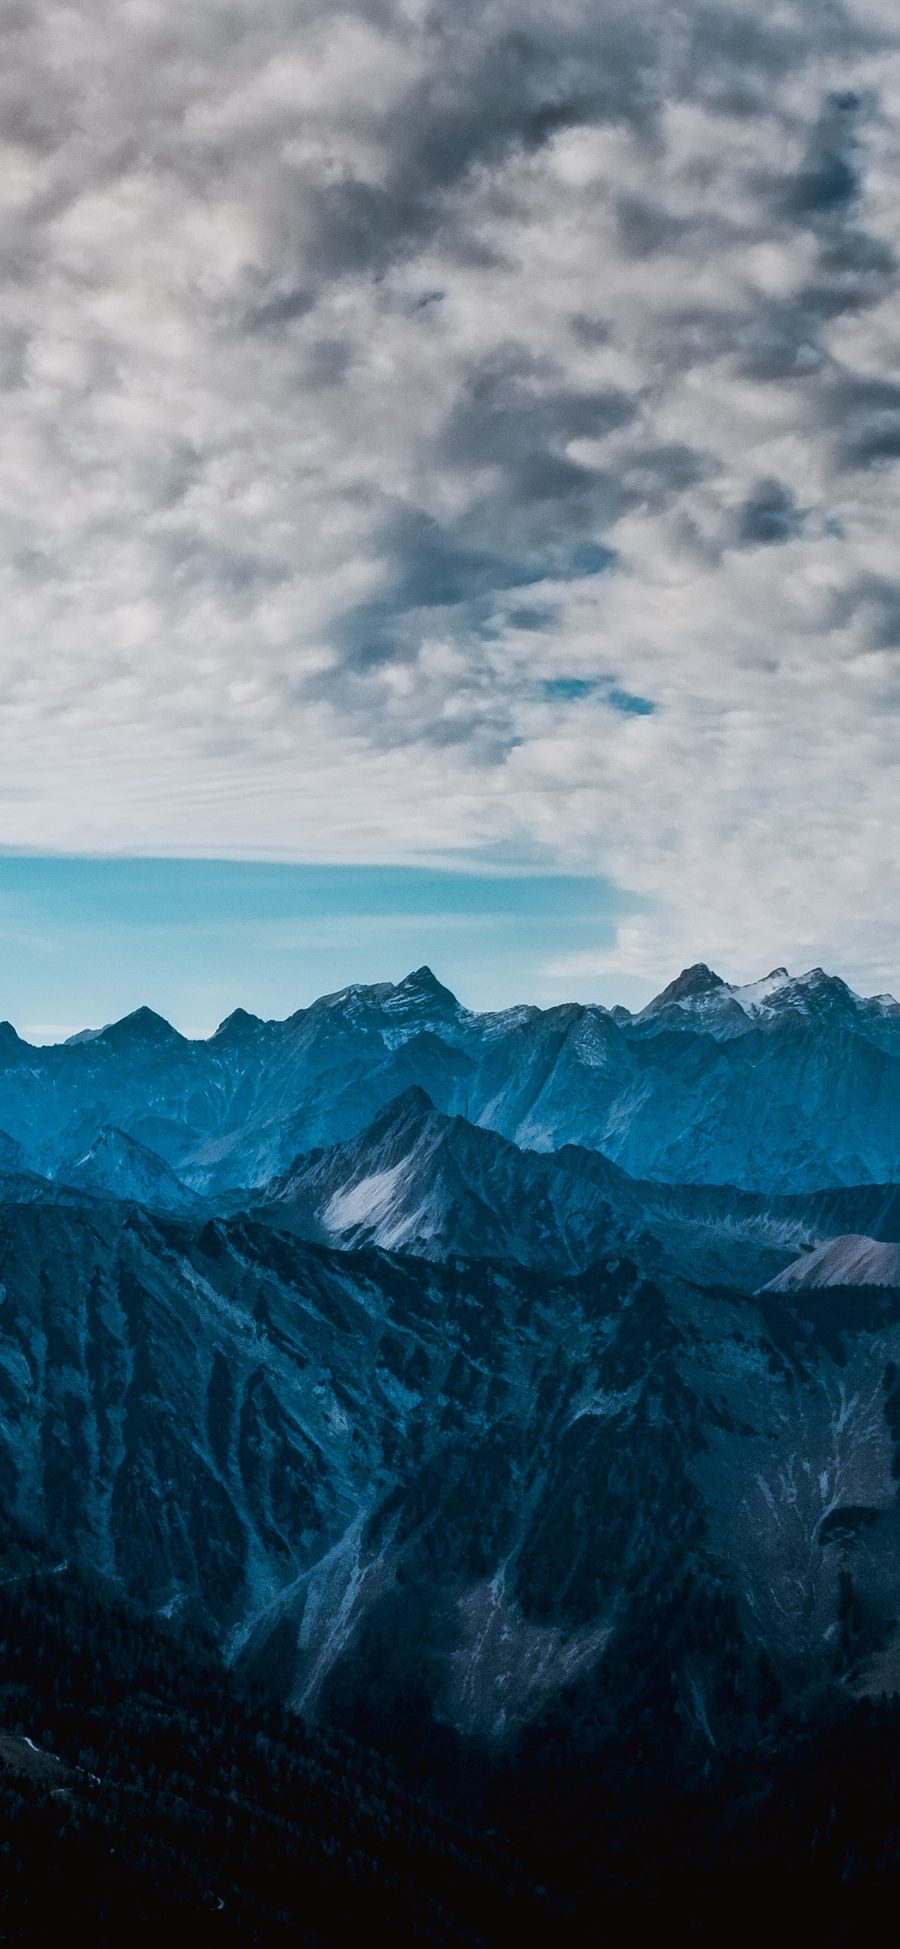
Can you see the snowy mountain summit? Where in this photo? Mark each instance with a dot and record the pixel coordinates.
(699, 998)
(786, 1084)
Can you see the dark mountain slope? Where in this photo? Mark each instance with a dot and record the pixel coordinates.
(141, 1793)
(496, 1489)
(13, 1161)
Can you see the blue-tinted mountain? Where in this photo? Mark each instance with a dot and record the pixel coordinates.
(418, 1181)
(12, 1156)
(143, 1787)
(117, 1166)
(786, 1085)
(517, 1492)
(519, 1392)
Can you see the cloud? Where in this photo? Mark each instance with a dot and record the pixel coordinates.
(462, 431)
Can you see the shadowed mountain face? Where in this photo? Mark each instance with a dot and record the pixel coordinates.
(787, 1085)
(12, 1156)
(117, 1166)
(418, 1181)
(504, 1493)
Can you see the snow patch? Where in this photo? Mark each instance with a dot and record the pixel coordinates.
(365, 1202)
(754, 995)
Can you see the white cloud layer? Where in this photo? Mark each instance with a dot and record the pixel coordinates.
(463, 431)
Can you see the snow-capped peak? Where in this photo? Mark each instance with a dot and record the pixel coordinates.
(421, 988)
(700, 999)
(695, 996)
(753, 996)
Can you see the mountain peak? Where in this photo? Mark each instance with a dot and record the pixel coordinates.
(797, 992)
(419, 996)
(142, 1026)
(698, 979)
(119, 1166)
(423, 981)
(693, 984)
(411, 1106)
(239, 1026)
(10, 1040)
(109, 1142)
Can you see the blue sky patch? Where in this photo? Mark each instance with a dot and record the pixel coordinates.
(83, 941)
(569, 687)
(633, 706)
(566, 689)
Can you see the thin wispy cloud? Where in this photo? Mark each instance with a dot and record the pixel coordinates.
(452, 431)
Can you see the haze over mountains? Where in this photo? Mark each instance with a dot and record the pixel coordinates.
(523, 1376)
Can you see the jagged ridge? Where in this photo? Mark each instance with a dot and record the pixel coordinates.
(786, 1085)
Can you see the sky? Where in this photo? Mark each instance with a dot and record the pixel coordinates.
(194, 939)
(455, 446)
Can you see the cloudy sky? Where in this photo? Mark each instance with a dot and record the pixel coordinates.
(461, 438)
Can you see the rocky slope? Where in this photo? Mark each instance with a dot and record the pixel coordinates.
(418, 1181)
(500, 1493)
(851, 1260)
(116, 1166)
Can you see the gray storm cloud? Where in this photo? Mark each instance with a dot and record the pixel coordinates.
(440, 430)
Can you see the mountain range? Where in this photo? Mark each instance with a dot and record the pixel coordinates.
(483, 1385)
(786, 1085)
